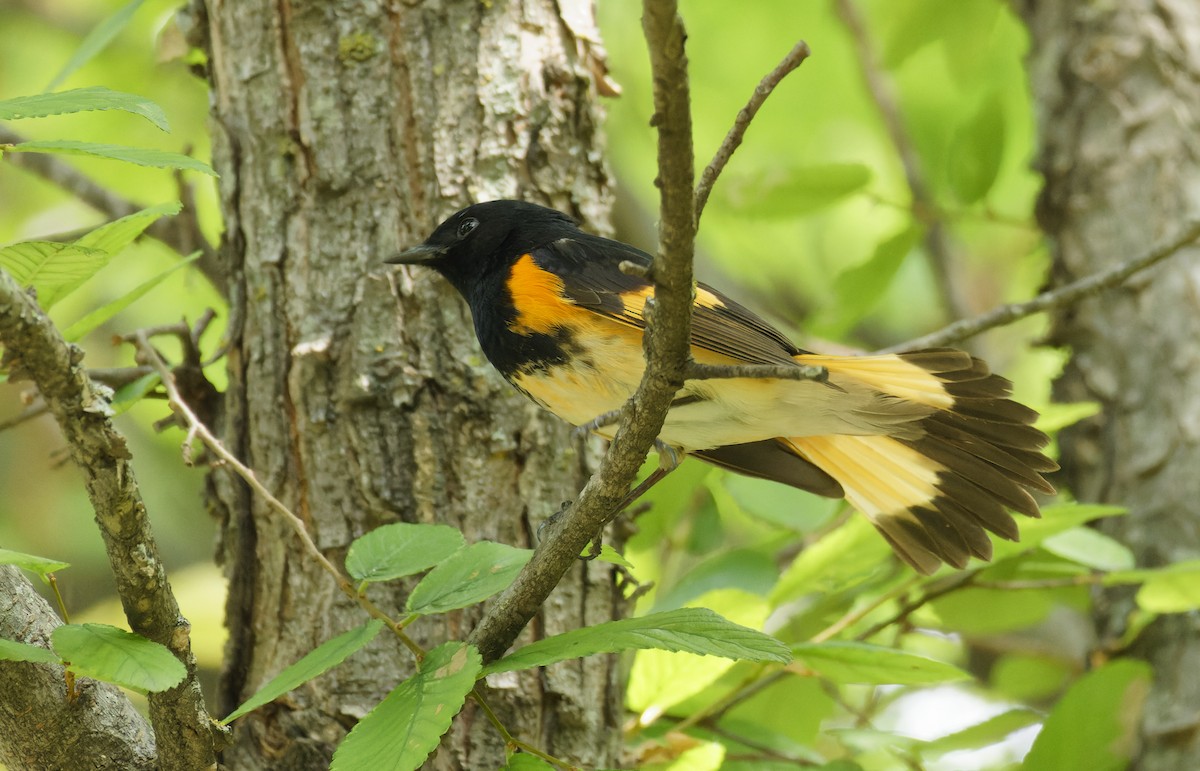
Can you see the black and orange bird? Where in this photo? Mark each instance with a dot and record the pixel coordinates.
(926, 444)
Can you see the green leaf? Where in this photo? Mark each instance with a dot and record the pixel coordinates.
(116, 656)
(1055, 519)
(1095, 724)
(82, 100)
(990, 731)
(853, 662)
(977, 151)
(1089, 547)
(1055, 416)
(32, 563)
(471, 575)
(102, 314)
(400, 549)
(523, 761)
(791, 192)
(96, 41)
(1171, 592)
(685, 630)
(859, 289)
(132, 393)
(706, 756)
(52, 269)
(142, 156)
(114, 236)
(844, 555)
(323, 658)
(11, 650)
(407, 725)
(613, 557)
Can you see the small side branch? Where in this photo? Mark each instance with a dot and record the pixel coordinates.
(737, 132)
(696, 371)
(1054, 298)
(186, 736)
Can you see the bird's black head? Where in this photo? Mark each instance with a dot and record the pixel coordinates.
(473, 244)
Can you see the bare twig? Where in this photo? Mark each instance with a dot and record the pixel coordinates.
(181, 232)
(186, 735)
(696, 371)
(668, 322)
(937, 244)
(737, 132)
(1054, 298)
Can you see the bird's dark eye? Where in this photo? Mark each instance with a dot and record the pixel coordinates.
(466, 226)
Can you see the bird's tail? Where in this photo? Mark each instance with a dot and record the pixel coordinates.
(934, 486)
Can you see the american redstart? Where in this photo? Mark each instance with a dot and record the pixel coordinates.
(926, 444)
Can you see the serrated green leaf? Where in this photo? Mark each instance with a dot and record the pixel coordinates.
(1085, 546)
(81, 100)
(858, 290)
(400, 549)
(102, 314)
(523, 761)
(790, 192)
(854, 662)
(116, 656)
(990, 731)
(324, 657)
(407, 725)
(141, 156)
(51, 269)
(1095, 724)
(685, 630)
(32, 563)
(977, 151)
(469, 576)
(1055, 519)
(114, 236)
(11, 650)
(96, 41)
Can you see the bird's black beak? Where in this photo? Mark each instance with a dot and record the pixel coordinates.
(417, 255)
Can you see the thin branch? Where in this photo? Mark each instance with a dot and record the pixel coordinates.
(29, 413)
(737, 132)
(181, 232)
(1055, 298)
(697, 371)
(666, 344)
(937, 244)
(186, 736)
(933, 590)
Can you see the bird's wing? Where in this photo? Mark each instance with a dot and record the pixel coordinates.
(589, 268)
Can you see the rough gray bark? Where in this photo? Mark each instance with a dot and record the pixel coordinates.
(1118, 85)
(39, 727)
(343, 131)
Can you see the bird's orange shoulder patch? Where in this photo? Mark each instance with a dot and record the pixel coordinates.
(537, 296)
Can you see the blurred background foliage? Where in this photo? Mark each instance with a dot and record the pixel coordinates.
(817, 224)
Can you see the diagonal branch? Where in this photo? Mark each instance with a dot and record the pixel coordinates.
(181, 232)
(737, 131)
(666, 339)
(937, 243)
(186, 736)
(1054, 298)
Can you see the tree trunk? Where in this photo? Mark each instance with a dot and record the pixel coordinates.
(343, 131)
(1119, 87)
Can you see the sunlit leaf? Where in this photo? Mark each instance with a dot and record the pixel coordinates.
(990, 731)
(1171, 592)
(400, 549)
(81, 100)
(1055, 416)
(469, 576)
(116, 656)
(320, 660)
(96, 41)
(1089, 547)
(407, 725)
(851, 552)
(795, 191)
(32, 563)
(858, 289)
(141, 156)
(11, 650)
(613, 557)
(1055, 519)
(688, 630)
(105, 312)
(853, 662)
(50, 268)
(1095, 724)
